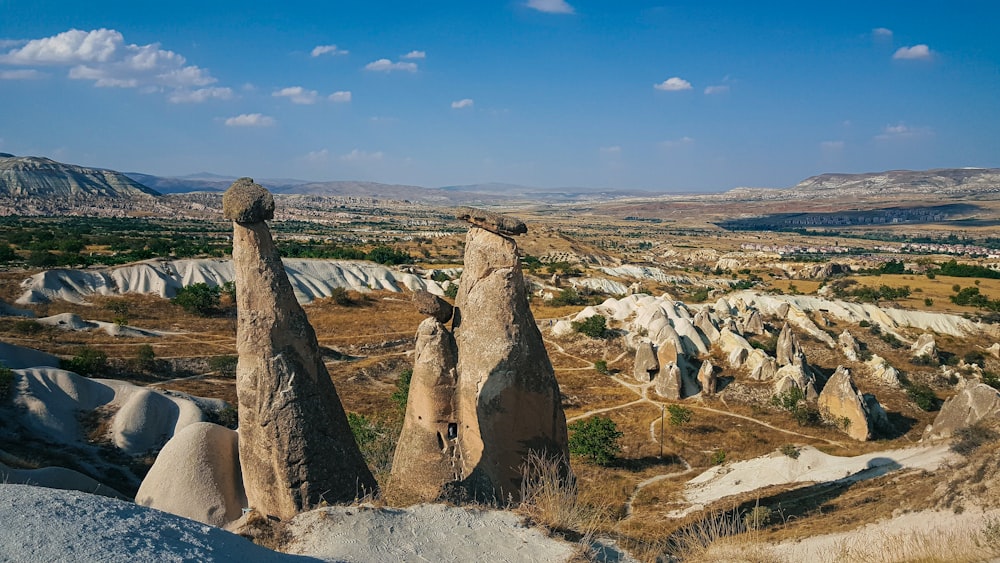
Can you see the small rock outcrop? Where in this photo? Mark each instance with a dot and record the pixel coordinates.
(492, 222)
(433, 306)
(197, 475)
(925, 346)
(424, 458)
(842, 403)
(646, 365)
(787, 350)
(508, 400)
(296, 448)
(670, 382)
(849, 346)
(883, 372)
(972, 404)
(707, 378)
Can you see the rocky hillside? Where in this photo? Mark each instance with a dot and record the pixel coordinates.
(39, 177)
(938, 181)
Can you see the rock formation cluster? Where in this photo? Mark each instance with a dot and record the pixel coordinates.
(296, 448)
(483, 396)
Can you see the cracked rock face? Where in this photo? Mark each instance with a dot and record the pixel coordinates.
(508, 401)
(296, 448)
(842, 403)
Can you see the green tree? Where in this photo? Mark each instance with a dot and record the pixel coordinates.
(225, 366)
(7, 253)
(199, 298)
(594, 327)
(601, 367)
(595, 439)
(145, 358)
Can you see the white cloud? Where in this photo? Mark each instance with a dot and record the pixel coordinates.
(102, 56)
(361, 156)
(463, 103)
(320, 50)
(674, 84)
(674, 143)
(340, 97)
(21, 74)
(297, 95)
(720, 89)
(613, 150)
(882, 32)
(916, 52)
(250, 120)
(831, 146)
(200, 95)
(550, 6)
(385, 65)
(415, 55)
(317, 157)
(902, 131)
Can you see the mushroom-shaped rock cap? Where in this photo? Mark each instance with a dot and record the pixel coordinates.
(493, 222)
(247, 202)
(433, 306)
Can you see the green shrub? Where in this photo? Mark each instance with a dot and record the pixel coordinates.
(595, 439)
(145, 358)
(971, 438)
(928, 302)
(791, 451)
(566, 297)
(87, 362)
(340, 296)
(757, 518)
(594, 327)
(718, 457)
(402, 393)
(225, 366)
(788, 400)
(923, 396)
(991, 379)
(6, 382)
(198, 299)
(375, 439)
(28, 327)
(451, 291)
(601, 367)
(228, 416)
(679, 416)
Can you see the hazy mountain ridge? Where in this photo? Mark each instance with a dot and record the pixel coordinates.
(39, 177)
(938, 181)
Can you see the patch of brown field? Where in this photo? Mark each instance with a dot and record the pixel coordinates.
(938, 290)
(213, 388)
(806, 287)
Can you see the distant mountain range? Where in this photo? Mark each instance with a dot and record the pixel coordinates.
(38, 177)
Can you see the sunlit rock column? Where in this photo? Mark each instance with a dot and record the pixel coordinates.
(296, 448)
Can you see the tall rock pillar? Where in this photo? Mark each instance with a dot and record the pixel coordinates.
(296, 448)
(508, 401)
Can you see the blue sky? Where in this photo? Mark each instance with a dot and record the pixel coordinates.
(671, 96)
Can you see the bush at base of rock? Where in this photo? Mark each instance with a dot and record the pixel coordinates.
(594, 327)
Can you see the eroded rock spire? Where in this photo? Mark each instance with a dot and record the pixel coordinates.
(296, 448)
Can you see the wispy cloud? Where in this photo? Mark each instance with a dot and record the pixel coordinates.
(612, 150)
(250, 120)
(199, 95)
(21, 74)
(674, 84)
(103, 56)
(463, 103)
(415, 55)
(317, 157)
(385, 65)
(361, 156)
(902, 131)
(320, 50)
(882, 32)
(340, 97)
(718, 89)
(674, 143)
(914, 53)
(550, 6)
(297, 95)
